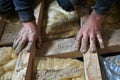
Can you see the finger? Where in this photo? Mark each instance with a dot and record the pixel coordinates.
(100, 40)
(78, 42)
(29, 46)
(15, 43)
(84, 43)
(92, 44)
(30, 43)
(19, 46)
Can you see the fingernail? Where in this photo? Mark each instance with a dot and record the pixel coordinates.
(83, 50)
(76, 48)
(102, 46)
(16, 52)
(92, 50)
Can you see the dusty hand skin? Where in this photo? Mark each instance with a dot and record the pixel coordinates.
(89, 32)
(26, 37)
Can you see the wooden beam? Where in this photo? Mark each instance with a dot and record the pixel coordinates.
(10, 32)
(24, 64)
(65, 47)
(2, 26)
(92, 66)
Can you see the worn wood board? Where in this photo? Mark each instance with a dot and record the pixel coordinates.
(2, 27)
(23, 69)
(10, 32)
(92, 66)
(65, 47)
(58, 48)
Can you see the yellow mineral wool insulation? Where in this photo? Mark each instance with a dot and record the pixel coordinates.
(8, 60)
(5, 56)
(58, 21)
(59, 69)
(7, 76)
(1, 71)
(10, 66)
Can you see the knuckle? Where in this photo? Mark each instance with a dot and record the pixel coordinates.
(23, 40)
(84, 39)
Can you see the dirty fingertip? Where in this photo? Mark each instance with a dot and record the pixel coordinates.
(76, 47)
(83, 50)
(102, 45)
(92, 50)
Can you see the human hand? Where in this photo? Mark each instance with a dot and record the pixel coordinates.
(26, 37)
(89, 32)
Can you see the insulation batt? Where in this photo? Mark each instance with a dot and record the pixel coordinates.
(10, 65)
(1, 71)
(59, 23)
(4, 56)
(8, 61)
(59, 69)
(7, 76)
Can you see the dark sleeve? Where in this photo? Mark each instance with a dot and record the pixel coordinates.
(24, 9)
(103, 6)
(70, 5)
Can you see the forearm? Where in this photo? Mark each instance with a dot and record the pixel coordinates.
(24, 9)
(103, 6)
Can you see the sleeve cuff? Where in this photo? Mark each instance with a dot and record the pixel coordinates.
(99, 10)
(26, 15)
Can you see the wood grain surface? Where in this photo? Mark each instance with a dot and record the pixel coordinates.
(65, 47)
(2, 27)
(10, 32)
(92, 66)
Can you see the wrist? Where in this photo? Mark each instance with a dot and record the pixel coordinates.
(29, 22)
(30, 25)
(98, 17)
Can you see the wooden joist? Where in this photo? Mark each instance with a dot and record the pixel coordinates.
(2, 27)
(23, 69)
(66, 49)
(92, 66)
(11, 31)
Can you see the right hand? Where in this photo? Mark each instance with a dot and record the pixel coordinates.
(89, 32)
(26, 37)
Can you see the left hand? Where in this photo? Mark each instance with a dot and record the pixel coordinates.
(27, 37)
(90, 30)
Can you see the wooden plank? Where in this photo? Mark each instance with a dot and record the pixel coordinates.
(59, 48)
(51, 48)
(39, 14)
(2, 26)
(23, 67)
(10, 32)
(92, 66)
